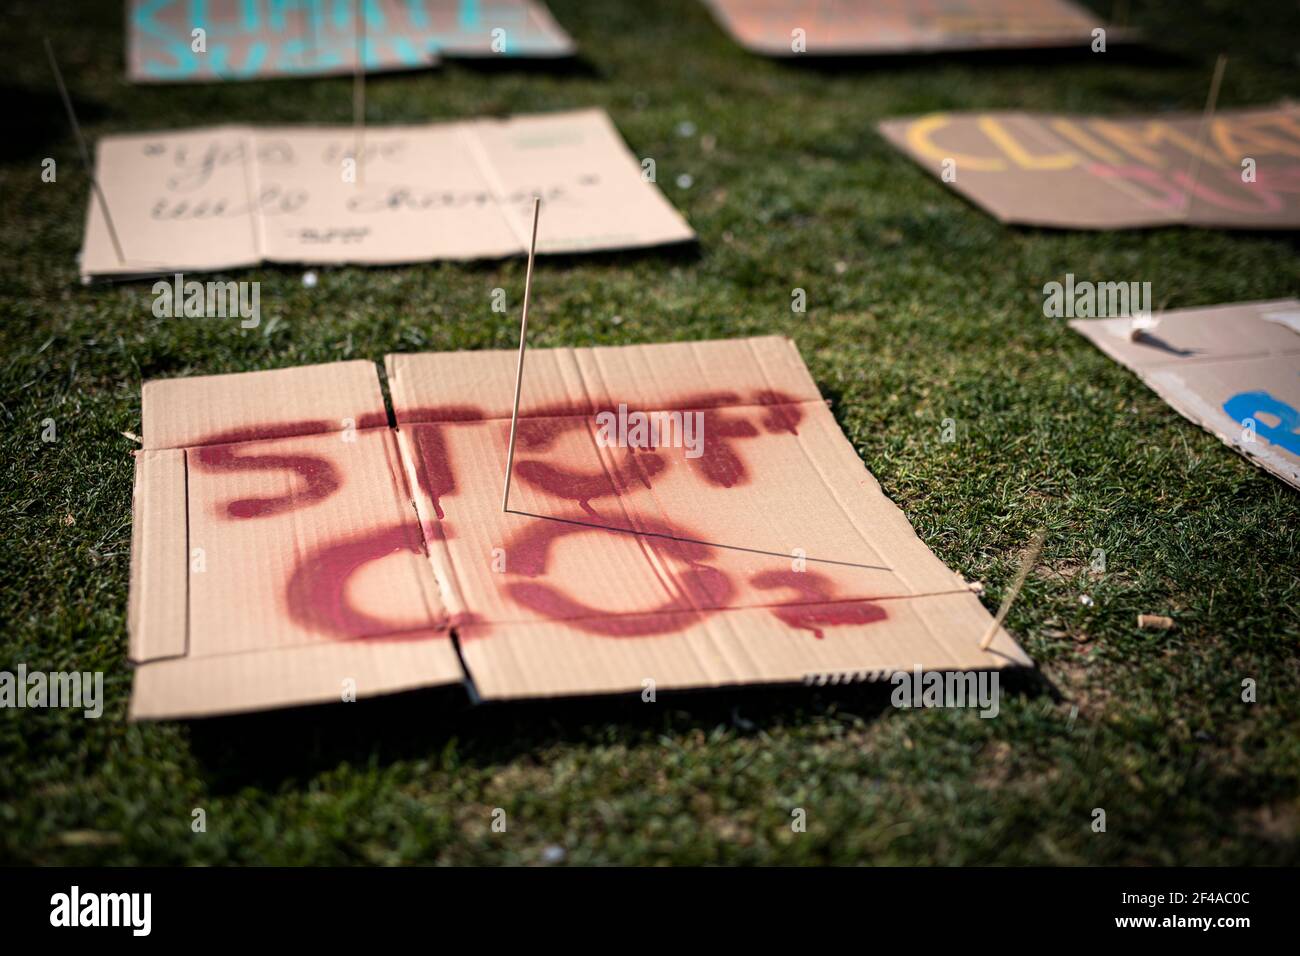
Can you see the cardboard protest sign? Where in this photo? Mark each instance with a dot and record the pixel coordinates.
(849, 27)
(226, 196)
(275, 555)
(171, 41)
(1232, 369)
(662, 533)
(1241, 169)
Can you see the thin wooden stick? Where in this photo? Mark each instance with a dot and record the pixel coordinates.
(1211, 102)
(523, 340)
(359, 89)
(85, 152)
(1026, 563)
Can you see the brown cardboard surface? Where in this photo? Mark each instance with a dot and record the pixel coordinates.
(1096, 172)
(260, 39)
(230, 196)
(247, 406)
(290, 560)
(1220, 366)
(615, 566)
(849, 27)
(359, 551)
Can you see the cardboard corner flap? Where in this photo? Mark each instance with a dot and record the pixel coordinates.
(277, 559)
(157, 615)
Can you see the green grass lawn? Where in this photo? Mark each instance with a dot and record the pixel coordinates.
(921, 308)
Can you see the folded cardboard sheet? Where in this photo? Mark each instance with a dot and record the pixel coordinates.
(275, 552)
(1232, 369)
(860, 27)
(1241, 170)
(336, 548)
(227, 196)
(261, 39)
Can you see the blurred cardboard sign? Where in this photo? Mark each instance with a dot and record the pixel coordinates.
(261, 39)
(1232, 369)
(1241, 169)
(226, 196)
(862, 27)
(291, 547)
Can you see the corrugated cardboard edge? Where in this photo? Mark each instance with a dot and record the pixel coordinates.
(186, 687)
(715, 637)
(158, 607)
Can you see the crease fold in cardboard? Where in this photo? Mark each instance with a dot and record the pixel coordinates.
(322, 546)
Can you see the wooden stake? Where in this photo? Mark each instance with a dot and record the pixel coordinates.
(85, 153)
(1210, 102)
(1026, 563)
(523, 340)
(359, 89)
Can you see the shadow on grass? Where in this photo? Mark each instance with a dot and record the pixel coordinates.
(958, 232)
(681, 253)
(39, 124)
(577, 66)
(284, 748)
